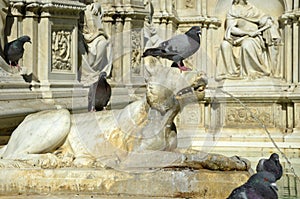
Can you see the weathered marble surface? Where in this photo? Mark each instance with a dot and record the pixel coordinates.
(140, 136)
(98, 182)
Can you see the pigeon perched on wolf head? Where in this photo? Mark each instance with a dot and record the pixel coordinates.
(271, 165)
(99, 94)
(259, 186)
(14, 50)
(178, 47)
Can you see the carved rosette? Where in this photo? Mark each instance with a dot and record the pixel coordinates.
(61, 50)
(236, 116)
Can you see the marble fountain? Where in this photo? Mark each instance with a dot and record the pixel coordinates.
(166, 134)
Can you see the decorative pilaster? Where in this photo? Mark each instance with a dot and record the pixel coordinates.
(127, 21)
(58, 50)
(291, 20)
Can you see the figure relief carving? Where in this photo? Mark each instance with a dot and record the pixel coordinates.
(61, 50)
(250, 46)
(136, 52)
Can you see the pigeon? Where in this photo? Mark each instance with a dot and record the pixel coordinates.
(259, 186)
(271, 165)
(178, 48)
(14, 50)
(99, 94)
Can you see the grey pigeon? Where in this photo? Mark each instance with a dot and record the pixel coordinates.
(271, 165)
(99, 94)
(178, 47)
(14, 50)
(259, 186)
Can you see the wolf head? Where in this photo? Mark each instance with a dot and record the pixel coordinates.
(167, 88)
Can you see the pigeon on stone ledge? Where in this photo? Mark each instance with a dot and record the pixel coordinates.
(99, 94)
(178, 47)
(259, 186)
(271, 165)
(14, 50)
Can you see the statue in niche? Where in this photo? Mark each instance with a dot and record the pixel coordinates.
(250, 46)
(140, 136)
(94, 44)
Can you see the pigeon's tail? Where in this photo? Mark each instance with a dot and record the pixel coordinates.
(153, 52)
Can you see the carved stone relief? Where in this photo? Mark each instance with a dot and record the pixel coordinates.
(236, 116)
(189, 4)
(191, 115)
(136, 52)
(61, 50)
(250, 46)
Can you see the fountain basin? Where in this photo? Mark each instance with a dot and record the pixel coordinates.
(167, 183)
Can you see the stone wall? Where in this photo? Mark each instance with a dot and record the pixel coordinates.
(274, 100)
(52, 80)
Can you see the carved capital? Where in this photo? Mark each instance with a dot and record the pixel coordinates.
(289, 18)
(16, 7)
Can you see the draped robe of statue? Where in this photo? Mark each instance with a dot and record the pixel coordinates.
(3, 14)
(94, 45)
(249, 46)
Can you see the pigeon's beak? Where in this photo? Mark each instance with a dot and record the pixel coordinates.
(274, 186)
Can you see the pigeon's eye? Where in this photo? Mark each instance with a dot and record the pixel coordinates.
(266, 179)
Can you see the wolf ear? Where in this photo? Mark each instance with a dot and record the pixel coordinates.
(151, 70)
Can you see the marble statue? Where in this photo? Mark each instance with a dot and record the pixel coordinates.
(140, 136)
(94, 43)
(151, 37)
(249, 49)
(5, 69)
(3, 14)
(150, 33)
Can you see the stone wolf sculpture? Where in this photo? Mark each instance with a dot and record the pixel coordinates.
(140, 136)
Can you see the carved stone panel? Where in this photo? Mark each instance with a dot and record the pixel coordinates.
(191, 116)
(61, 50)
(190, 4)
(237, 116)
(136, 41)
